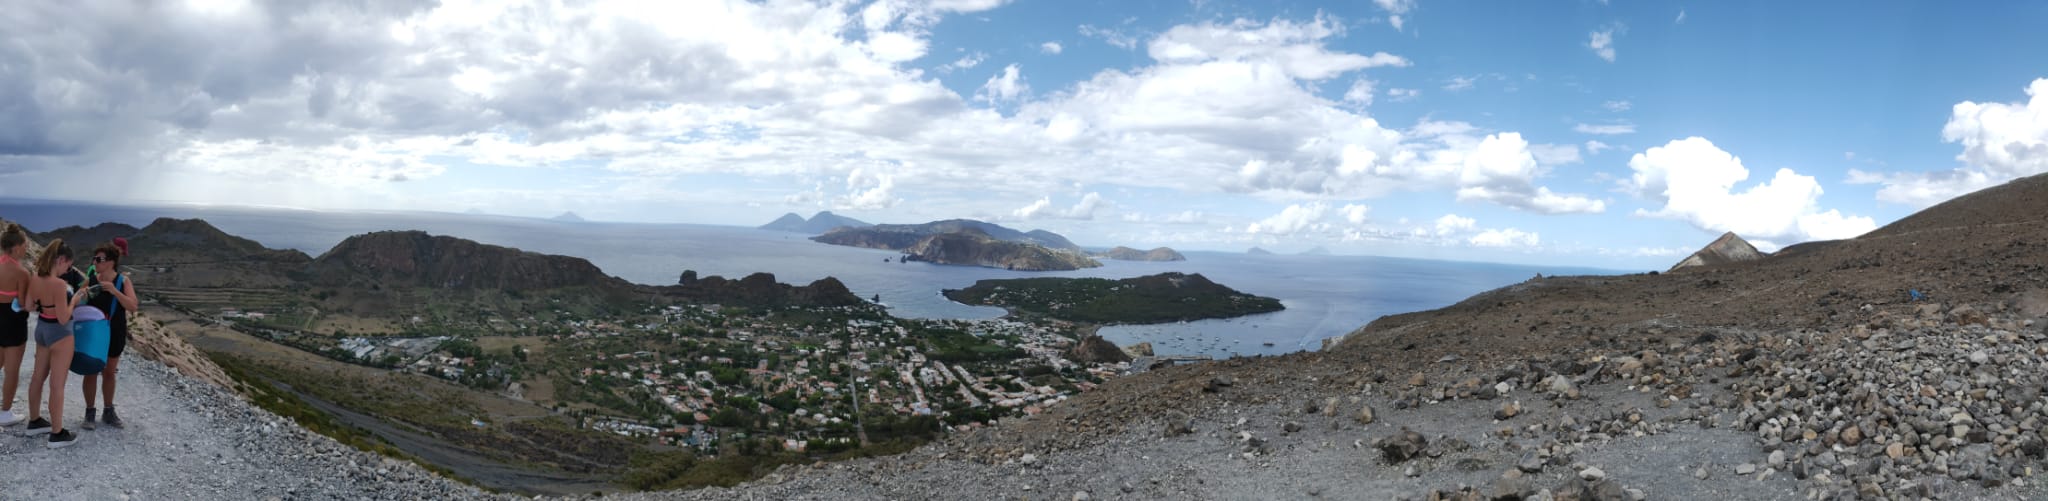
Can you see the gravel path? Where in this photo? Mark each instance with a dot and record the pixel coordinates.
(187, 439)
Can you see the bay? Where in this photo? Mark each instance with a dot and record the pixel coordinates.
(1325, 296)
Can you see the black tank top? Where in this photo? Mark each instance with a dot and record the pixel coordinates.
(106, 302)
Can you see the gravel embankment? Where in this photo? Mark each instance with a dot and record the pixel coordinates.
(187, 439)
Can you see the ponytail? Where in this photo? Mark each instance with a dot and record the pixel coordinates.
(46, 263)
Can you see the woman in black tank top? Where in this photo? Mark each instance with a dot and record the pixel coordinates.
(115, 295)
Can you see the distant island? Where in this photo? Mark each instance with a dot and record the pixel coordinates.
(1318, 251)
(1152, 299)
(1259, 252)
(818, 224)
(1129, 254)
(569, 217)
(967, 242)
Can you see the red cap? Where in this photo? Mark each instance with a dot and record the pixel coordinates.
(122, 242)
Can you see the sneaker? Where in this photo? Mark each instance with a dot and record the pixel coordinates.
(109, 418)
(38, 426)
(8, 418)
(62, 439)
(89, 414)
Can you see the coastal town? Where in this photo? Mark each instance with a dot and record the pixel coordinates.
(798, 379)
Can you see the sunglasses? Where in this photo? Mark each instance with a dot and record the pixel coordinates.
(100, 259)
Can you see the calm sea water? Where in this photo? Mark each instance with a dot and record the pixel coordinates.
(1325, 295)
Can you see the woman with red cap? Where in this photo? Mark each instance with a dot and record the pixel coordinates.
(114, 294)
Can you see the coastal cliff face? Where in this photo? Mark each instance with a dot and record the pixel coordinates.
(977, 249)
(1727, 249)
(1130, 254)
(416, 258)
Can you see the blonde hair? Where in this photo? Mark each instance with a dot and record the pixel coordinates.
(46, 263)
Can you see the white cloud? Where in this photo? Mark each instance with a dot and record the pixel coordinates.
(1645, 251)
(1460, 83)
(1681, 17)
(1279, 42)
(1508, 237)
(1182, 217)
(1114, 37)
(1696, 181)
(2001, 142)
(842, 98)
(1617, 106)
(868, 191)
(1360, 93)
(1050, 48)
(1501, 169)
(1395, 9)
(1595, 147)
(1004, 87)
(1452, 224)
(965, 62)
(1605, 129)
(1354, 213)
(896, 47)
(1042, 209)
(1602, 43)
(1291, 220)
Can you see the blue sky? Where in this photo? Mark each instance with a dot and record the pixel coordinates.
(1583, 133)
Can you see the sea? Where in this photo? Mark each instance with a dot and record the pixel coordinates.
(1324, 295)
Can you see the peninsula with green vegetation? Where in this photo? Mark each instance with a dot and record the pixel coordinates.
(1151, 299)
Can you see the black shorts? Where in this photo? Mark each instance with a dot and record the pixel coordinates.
(13, 327)
(117, 340)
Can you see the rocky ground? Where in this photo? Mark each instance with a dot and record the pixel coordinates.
(190, 439)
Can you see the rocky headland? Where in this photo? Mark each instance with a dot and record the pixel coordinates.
(759, 290)
(1161, 298)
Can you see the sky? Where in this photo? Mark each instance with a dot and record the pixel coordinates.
(1621, 135)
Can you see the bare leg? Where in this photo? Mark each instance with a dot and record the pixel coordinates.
(107, 380)
(92, 389)
(35, 382)
(10, 360)
(60, 361)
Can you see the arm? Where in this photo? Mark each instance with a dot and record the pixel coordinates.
(126, 294)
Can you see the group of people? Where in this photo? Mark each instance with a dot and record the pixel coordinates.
(49, 290)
